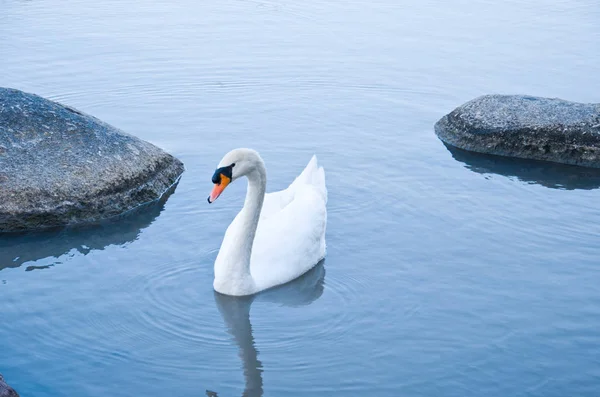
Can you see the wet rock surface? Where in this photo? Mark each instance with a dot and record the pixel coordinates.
(547, 129)
(6, 390)
(59, 166)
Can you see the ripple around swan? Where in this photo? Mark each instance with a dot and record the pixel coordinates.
(167, 310)
(178, 316)
(289, 331)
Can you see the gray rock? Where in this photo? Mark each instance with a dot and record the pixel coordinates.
(59, 166)
(6, 390)
(526, 127)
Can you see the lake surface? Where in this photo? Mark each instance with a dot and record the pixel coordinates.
(447, 273)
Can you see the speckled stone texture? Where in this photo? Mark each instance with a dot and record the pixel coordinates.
(527, 127)
(59, 166)
(6, 390)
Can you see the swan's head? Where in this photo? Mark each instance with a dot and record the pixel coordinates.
(235, 164)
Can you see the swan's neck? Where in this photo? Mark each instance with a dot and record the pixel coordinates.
(250, 213)
(232, 267)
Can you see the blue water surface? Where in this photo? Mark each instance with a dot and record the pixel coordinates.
(447, 273)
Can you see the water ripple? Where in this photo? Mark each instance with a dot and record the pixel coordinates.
(178, 317)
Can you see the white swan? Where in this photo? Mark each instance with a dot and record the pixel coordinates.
(276, 237)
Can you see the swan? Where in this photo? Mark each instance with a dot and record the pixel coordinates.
(276, 237)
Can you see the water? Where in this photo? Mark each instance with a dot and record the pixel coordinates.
(447, 274)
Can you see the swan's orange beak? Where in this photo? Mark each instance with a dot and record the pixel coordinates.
(218, 188)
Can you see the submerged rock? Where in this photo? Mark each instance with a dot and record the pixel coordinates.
(6, 390)
(527, 127)
(59, 166)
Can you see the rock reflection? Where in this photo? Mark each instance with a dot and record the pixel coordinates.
(548, 174)
(17, 249)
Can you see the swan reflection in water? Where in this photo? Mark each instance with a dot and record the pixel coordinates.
(236, 315)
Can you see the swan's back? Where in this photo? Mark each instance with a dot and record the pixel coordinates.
(290, 238)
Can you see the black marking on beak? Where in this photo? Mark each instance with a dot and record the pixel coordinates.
(226, 171)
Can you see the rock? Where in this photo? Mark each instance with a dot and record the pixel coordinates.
(59, 166)
(6, 390)
(527, 127)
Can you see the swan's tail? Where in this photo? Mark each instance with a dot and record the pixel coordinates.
(312, 175)
(318, 180)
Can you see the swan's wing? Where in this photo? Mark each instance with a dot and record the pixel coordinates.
(289, 244)
(274, 202)
(312, 175)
